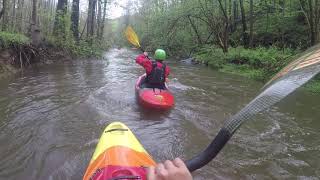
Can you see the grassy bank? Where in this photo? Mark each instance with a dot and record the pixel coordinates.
(259, 63)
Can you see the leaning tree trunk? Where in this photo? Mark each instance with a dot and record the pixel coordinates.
(195, 30)
(75, 19)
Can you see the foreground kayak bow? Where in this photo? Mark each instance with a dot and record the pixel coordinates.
(118, 155)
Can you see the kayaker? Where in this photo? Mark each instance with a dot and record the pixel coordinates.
(156, 71)
(169, 170)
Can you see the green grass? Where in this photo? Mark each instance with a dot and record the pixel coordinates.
(259, 63)
(83, 49)
(8, 39)
(244, 70)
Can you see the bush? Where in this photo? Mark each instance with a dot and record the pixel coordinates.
(212, 56)
(259, 63)
(9, 39)
(245, 70)
(271, 59)
(81, 49)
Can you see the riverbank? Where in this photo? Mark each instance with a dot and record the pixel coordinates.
(259, 63)
(17, 52)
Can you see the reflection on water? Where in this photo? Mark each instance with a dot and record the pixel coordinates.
(51, 119)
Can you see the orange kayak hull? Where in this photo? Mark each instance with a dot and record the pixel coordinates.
(118, 155)
(154, 98)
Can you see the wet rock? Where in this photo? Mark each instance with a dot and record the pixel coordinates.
(190, 61)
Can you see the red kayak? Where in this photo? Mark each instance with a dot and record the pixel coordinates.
(154, 98)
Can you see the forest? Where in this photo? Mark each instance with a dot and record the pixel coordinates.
(255, 38)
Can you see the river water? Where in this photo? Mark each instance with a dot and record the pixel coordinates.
(52, 116)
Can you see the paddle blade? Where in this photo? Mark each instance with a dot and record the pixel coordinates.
(132, 36)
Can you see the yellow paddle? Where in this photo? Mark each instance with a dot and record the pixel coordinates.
(132, 37)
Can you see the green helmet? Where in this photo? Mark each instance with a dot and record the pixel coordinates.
(160, 54)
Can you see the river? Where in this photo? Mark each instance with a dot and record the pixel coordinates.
(52, 116)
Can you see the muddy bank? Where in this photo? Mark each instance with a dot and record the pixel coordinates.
(17, 58)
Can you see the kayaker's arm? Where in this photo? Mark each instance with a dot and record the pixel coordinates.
(145, 62)
(142, 59)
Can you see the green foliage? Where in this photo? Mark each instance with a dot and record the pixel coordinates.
(259, 63)
(212, 56)
(275, 30)
(82, 49)
(167, 25)
(245, 70)
(8, 39)
(272, 59)
(65, 40)
(85, 49)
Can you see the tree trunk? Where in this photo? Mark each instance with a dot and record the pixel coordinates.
(235, 14)
(20, 15)
(282, 30)
(1, 13)
(59, 23)
(75, 19)
(4, 14)
(225, 34)
(91, 18)
(312, 14)
(35, 32)
(13, 18)
(251, 24)
(312, 25)
(103, 19)
(244, 25)
(99, 18)
(317, 20)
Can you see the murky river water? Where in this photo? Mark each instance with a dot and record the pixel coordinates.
(51, 118)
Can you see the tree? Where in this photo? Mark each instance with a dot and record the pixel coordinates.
(195, 30)
(20, 15)
(251, 24)
(311, 10)
(13, 17)
(245, 38)
(91, 18)
(35, 32)
(59, 23)
(75, 19)
(103, 19)
(224, 41)
(99, 18)
(4, 15)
